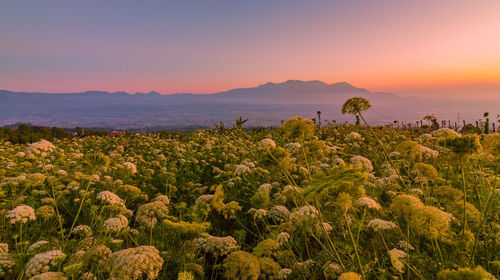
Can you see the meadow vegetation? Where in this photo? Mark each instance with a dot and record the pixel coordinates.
(298, 202)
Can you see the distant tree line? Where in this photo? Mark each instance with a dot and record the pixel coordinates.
(26, 133)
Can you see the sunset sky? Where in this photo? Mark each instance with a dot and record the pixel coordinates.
(448, 47)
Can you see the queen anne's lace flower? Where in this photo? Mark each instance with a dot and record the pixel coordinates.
(4, 249)
(283, 238)
(365, 163)
(331, 270)
(43, 262)
(162, 198)
(403, 244)
(428, 153)
(149, 213)
(131, 167)
(135, 263)
(82, 230)
(352, 136)
(324, 227)
(40, 146)
(293, 147)
(7, 265)
(304, 214)
(283, 273)
(368, 202)
(110, 198)
(379, 224)
(260, 214)
(396, 257)
(21, 213)
(49, 276)
(113, 225)
(265, 187)
(241, 170)
(97, 256)
(218, 246)
(267, 143)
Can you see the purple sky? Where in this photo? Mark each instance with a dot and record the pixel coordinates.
(448, 48)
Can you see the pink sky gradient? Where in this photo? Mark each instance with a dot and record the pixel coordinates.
(428, 48)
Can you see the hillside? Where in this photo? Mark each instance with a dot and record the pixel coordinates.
(264, 105)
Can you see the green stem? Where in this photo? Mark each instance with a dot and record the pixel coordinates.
(385, 151)
(465, 197)
(355, 247)
(81, 205)
(483, 219)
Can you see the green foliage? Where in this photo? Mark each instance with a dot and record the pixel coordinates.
(355, 105)
(345, 179)
(298, 129)
(309, 202)
(241, 265)
(466, 145)
(465, 274)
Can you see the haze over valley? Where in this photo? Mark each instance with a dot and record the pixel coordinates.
(264, 105)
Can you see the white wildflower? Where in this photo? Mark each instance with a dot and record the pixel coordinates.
(110, 198)
(428, 153)
(49, 276)
(283, 238)
(162, 198)
(279, 214)
(353, 136)
(41, 263)
(113, 225)
(283, 273)
(82, 230)
(265, 187)
(148, 214)
(21, 213)
(260, 214)
(4, 249)
(135, 263)
(331, 270)
(304, 214)
(324, 227)
(267, 143)
(363, 162)
(293, 147)
(368, 202)
(379, 224)
(40, 146)
(217, 246)
(131, 167)
(241, 169)
(396, 257)
(403, 244)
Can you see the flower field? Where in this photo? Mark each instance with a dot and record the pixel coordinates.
(297, 202)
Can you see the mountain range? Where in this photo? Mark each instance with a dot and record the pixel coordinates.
(264, 105)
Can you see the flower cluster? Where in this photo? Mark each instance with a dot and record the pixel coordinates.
(135, 263)
(43, 262)
(217, 246)
(21, 213)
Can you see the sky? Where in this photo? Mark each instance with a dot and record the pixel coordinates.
(427, 48)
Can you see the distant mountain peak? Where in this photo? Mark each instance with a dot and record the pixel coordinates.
(296, 83)
(313, 85)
